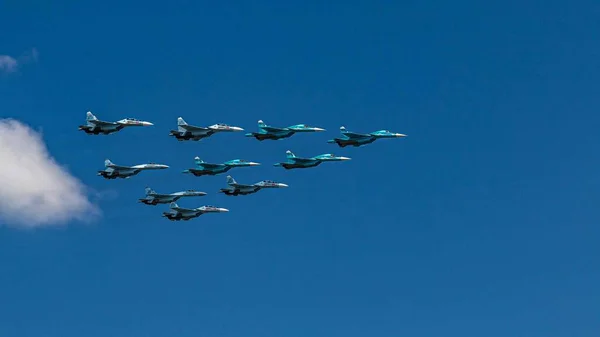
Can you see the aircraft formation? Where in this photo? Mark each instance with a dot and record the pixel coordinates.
(187, 132)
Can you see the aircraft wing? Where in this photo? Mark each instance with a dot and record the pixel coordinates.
(242, 186)
(118, 167)
(100, 123)
(272, 129)
(355, 135)
(302, 160)
(194, 128)
(209, 165)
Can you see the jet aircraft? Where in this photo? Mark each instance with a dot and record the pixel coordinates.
(190, 132)
(112, 171)
(204, 168)
(294, 162)
(153, 198)
(95, 126)
(359, 139)
(269, 132)
(240, 189)
(179, 213)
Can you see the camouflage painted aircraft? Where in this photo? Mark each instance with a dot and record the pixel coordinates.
(269, 132)
(190, 132)
(95, 126)
(203, 168)
(359, 139)
(153, 198)
(294, 162)
(236, 189)
(112, 171)
(179, 213)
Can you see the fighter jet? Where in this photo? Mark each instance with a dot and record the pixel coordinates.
(179, 213)
(153, 198)
(269, 132)
(113, 171)
(359, 139)
(204, 168)
(294, 162)
(241, 189)
(190, 132)
(95, 126)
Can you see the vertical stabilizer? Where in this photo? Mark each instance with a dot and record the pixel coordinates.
(89, 116)
(261, 124)
(173, 205)
(108, 163)
(231, 181)
(289, 154)
(198, 161)
(181, 124)
(149, 191)
(343, 129)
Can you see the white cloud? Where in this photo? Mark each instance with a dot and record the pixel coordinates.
(36, 191)
(8, 64)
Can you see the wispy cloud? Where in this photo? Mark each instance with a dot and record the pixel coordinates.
(11, 64)
(36, 191)
(8, 64)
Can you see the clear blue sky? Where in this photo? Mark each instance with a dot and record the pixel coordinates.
(482, 222)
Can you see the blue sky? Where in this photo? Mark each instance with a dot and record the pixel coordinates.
(482, 222)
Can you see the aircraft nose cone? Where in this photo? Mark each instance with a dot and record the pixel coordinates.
(224, 210)
(283, 185)
(400, 135)
(344, 158)
(147, 124)
(236, 128)
(319, 129)
(254, 164)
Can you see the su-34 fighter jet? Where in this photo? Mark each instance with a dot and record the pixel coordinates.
(269, 132)
(190, 132)
(203, 168)
(95, 126)
(179, 213)
(359, 139)
(240, 189)
(112, 171)
(153, 198)
(294, 162)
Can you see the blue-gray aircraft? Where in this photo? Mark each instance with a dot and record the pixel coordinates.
(112, 171)
(294, 162)
(179, 213)
(190, 132)
(236, 189)
(203, 168)
(95, 126)
(153, 198)
(269, 132)
(359, 139)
